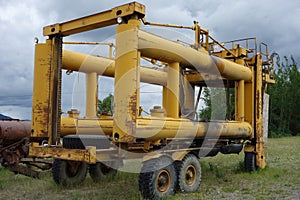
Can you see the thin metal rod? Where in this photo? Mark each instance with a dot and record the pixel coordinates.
(169, 25)
(91, 43)
(228, 101)
(198, 98)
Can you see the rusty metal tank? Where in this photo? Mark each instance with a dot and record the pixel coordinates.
(13, 130)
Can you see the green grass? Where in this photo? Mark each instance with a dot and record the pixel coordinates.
(222, 178)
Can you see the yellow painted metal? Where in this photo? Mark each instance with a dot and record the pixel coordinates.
(249, 101)
(86, 126)
(159, 128)
(91, 95)
(155, 128)
(260, 150)
(240, 101)
(127, 124)
(41, 87)
(75, 61)
(87, 155)
(197, 34)
(171, 92)
(46, 91)
(80, 62)
(197, 78)
(127, 81)
(95, 21)
(168, 51)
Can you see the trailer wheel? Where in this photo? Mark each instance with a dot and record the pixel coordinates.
(68, 173)
(157, 179)
(188, 173)
(100, 171)
(249, 162)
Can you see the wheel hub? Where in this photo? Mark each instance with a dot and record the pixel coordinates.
(163, 181)
(190, 175)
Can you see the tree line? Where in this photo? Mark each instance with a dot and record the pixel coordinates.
(284, 107)
(284, 118)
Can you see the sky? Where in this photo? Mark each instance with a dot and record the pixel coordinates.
(274, 22)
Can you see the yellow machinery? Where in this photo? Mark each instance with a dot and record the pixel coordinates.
(170, 140)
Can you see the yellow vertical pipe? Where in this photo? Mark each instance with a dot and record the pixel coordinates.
(197, 34)
(249, 101)
(241, 100)
(127, 81)
(165, 97)
(240, 97)
(171, 92)
(91, 95)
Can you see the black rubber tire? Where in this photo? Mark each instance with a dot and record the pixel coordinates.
(154, 173)
(64, 175)
(188, 173)
(249, 162)
(100, 171)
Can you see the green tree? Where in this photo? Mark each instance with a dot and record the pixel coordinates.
(285, 99)
(106, 105)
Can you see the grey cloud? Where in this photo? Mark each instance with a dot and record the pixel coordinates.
(272, 21)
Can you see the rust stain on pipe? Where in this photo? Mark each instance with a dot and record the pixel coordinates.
(14, 130)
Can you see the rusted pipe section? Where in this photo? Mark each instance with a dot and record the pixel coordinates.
(13, 130)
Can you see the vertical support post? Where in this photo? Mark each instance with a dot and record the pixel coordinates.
(241, 100)
(111, 51)
(91, 95)
(46, 102)
(127, 82)
(254, 112)
(240, 97)
(171, 92)
(259, 148)
(197, 34)
(56, 89)
(249, 101)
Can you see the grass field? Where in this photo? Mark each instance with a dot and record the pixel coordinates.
(222, 178)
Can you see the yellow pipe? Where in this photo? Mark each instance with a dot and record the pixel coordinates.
(80, 62)
(158, 48)
(127, 82)
(241, 100)
(158, 128)
(171, 92)
(70, 126)
(91, 95)
(155, 128)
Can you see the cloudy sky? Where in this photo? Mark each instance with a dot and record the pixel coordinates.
(274, 22)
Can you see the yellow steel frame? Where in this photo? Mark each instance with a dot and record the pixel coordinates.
(48, 64)
(99, 20)
(127, 124)
(46, 91)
